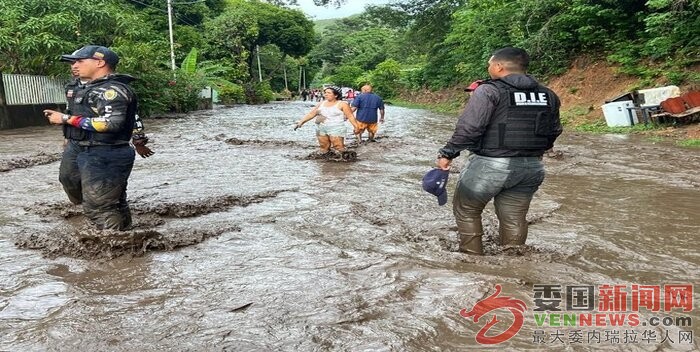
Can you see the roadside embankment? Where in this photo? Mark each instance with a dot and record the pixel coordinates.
(583, 89)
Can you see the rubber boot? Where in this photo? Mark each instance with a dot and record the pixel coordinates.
(470, 243)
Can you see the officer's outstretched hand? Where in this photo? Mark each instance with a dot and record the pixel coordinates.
(140, 146)
(143, 150)
(53, 116)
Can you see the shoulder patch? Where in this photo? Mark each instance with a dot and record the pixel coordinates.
(110, 94)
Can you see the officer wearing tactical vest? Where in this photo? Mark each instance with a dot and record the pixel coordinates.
(508, 124)
(68, 174)
(102, 117)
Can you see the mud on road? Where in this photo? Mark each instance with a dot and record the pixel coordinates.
(243, 240)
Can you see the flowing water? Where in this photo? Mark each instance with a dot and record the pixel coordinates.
(244, 243)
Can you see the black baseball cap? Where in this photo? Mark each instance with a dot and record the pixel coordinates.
(93, 52)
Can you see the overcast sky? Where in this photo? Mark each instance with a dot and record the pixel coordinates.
(351, 7)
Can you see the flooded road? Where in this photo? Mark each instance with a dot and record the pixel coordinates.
(242, 243)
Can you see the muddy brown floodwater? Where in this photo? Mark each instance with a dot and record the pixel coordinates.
(242, 242)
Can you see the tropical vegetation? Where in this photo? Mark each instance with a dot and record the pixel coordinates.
(406, 45)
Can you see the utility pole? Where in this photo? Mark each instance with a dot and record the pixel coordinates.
(170, 27)
(284, 67)
(257, 47)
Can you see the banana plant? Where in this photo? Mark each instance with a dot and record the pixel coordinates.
(210, 72)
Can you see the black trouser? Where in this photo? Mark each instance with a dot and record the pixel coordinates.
(69, 174)
(103, 172)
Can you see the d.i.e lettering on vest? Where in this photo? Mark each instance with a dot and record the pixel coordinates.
(530, 99)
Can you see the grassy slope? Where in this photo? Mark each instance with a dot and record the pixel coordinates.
(582, 89)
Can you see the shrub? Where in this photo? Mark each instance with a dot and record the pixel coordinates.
(231, 94)
(159, 92)
(258, 92)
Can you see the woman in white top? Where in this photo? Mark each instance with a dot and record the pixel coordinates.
(330, 117)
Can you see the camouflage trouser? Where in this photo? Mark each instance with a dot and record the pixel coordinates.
(511, 183)
(104, 172)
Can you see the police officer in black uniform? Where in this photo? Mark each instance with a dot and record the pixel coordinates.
(69, 175)
(509, 122)
(102, 117)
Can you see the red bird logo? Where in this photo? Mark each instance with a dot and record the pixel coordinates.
(493, 302)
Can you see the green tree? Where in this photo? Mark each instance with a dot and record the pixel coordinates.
(229, 37)
(430, 20)
(188, 20)
(247, 25)
(385, 78)
(336, 3)
(289, 30)
(208, 72)
(672, 28)
(369, 47)
(34, 33)
(463, 54)
(251, 28)
(346, 75)
(355, 41)
(188, 13)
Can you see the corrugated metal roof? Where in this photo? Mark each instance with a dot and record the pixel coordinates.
(31, 89)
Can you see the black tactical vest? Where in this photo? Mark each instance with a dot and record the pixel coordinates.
(70, 132)
(524, 121)
(86, 99)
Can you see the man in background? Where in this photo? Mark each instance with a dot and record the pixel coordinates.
(366, 106)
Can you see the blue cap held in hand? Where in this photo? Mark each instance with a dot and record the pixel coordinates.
(435, 183)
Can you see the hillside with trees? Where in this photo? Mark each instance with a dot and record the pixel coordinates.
(402, 48)
(442, 43)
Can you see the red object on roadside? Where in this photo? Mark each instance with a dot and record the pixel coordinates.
(673, 105)
(692, 99)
